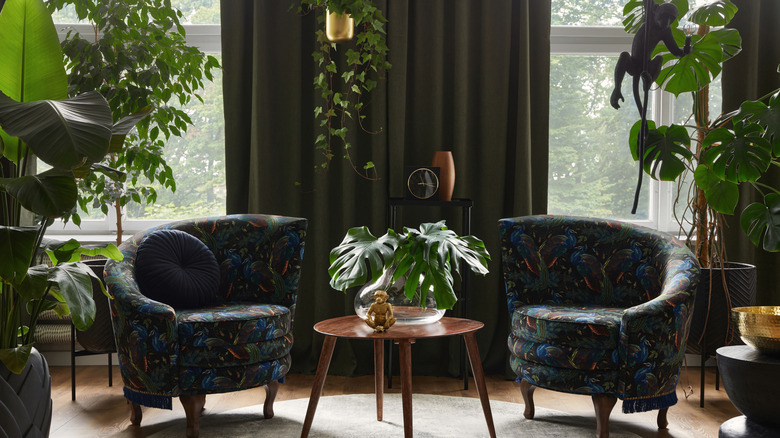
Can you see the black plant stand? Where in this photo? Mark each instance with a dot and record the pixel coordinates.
(465, 205)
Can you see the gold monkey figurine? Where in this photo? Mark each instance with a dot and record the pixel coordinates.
(382, 311)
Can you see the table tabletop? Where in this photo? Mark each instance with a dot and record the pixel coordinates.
(352, 327)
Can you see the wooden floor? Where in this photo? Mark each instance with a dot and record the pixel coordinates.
(100, 410)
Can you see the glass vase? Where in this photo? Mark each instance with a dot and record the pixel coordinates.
(405, 311)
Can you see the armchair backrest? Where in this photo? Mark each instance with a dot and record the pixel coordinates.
(584, 261)
(259, 255)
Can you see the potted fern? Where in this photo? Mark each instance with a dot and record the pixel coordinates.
(413, 267)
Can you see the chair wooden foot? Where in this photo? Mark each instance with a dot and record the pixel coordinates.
(662, 422)
(527, 391)
(135, 414)
(193, 407)
(603, 404)
(270, 395)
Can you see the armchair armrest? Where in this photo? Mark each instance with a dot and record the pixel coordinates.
(145, 331)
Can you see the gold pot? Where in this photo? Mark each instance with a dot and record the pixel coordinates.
(759, 327)
(339, 28)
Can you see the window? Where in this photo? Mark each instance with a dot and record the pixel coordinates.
(591, 171)
(197, 158)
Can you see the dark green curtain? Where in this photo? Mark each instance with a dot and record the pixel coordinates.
(750, 75)
(470, 77)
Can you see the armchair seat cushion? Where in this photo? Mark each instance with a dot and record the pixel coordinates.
(567, 379)
(579, 326)
(233, 333)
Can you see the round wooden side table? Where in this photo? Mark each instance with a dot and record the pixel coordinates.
(352, 327)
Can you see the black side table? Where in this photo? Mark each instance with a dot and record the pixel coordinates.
(750, 379)
(465, 205)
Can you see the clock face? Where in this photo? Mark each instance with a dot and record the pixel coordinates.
(423, 183)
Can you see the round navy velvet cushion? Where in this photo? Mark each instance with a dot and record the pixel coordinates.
(177, 269)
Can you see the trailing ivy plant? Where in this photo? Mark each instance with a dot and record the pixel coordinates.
(137, 58)
(733, 149)
(345, 92)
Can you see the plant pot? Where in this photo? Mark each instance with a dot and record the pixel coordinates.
(25, 399)
(339, 28)
(99, 338)
(711, 326)
(405, 311)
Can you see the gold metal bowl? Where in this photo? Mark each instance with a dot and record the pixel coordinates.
(759, 327)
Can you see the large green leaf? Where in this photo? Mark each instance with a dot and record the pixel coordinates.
(721, 195)
(763, 220)
(738, 156)
(17, 245)
(360, 250)
(32, 67)
(71, 251)
(694, 71)
(65, 134)
(74, 284)
(765, 115)
(50, 194)
(33, 287)
(665, 150)
(15, 359)
(634, 13)
(123, 127)
(714, 14)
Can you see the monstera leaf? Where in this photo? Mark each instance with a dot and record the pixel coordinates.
(738, 156)
(715, 14)
(634, 13)
(694, 71)
(360, 248)
(721, 195)
(767, 116)
(763, 220)
(665, 150)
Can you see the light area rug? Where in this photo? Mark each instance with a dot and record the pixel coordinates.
(348, 416)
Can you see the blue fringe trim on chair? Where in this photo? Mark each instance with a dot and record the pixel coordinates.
(650, 403)
(149, 400)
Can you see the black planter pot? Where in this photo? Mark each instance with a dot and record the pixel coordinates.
(25, 399)
(710, 325)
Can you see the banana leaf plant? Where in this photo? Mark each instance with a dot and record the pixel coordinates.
(68, 135)
(734, 149)
(429, 253)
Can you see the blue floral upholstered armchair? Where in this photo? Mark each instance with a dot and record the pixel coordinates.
(597, 307)
(240, 339)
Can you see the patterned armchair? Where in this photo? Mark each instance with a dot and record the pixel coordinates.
(241, 342)
(597, 307)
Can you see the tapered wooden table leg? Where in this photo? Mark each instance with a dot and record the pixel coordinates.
(379, 375)
(405, 357)
(319, 382)
(479, 378)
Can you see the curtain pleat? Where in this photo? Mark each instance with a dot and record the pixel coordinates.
(750, 75)
(470, 77)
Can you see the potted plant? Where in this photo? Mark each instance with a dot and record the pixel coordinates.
(345, 90)
(735, 149)
(137, 58)
(408, 266)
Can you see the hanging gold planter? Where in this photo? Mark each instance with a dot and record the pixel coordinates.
(339, 28)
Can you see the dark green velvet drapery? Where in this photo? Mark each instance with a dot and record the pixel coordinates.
(471, 77)
(750, 75)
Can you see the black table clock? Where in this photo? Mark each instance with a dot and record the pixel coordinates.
(422, 182)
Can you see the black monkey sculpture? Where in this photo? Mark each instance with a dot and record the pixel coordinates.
(656, 28)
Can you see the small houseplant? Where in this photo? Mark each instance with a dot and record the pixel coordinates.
(422, 259)
(346, 92)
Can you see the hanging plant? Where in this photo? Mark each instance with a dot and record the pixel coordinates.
(345, 91)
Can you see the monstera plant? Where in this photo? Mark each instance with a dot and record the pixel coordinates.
(425, 257)
(732, 150)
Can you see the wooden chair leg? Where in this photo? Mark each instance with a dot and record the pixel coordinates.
(193, 406)
(270, 395)
(603, 404)
(662, 422)
(135, 414)
(527, 391)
